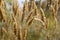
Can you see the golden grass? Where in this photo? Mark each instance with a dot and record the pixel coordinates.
(20, 22)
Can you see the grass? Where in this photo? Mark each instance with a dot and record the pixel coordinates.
(32, 23)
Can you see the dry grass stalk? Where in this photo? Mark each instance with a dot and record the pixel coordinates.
(31, 4)
(30, 13)
(56, 7)
(56, 11)
(15, 15)
(29, 18)
(15, 27)
(25, 33)
(53, 14)
(52, 10)
(2, 3)
(30, 21)
(2, 11)
(39, 20)
(15, 8)
(19, 35)
(3, 15)
(25, 10)
(22, 17)
(13, 20)
(25, 7)
(43, 18)
(35, 10)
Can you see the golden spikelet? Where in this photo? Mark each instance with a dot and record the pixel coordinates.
(37, 19)
(31, 4)
(52, 10)
(43, 18)
(15, 28)
(35, 9)
(1, 3)
(4, 15)
(15, 8)
(1, 17)
(56, 11)
(20, 33)
(25, 7)
(28, 17)
(14, 25)
(25, 10)
(2, 11)
(30, 21)
(56, 7)
(36, 12)
(30, 13)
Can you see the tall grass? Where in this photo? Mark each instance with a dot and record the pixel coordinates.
(30, 23)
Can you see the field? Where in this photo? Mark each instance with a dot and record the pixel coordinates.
(36, 21)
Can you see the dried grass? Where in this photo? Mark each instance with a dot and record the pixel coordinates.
(20, 22)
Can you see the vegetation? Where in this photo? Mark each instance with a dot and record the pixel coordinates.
(34, 22)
